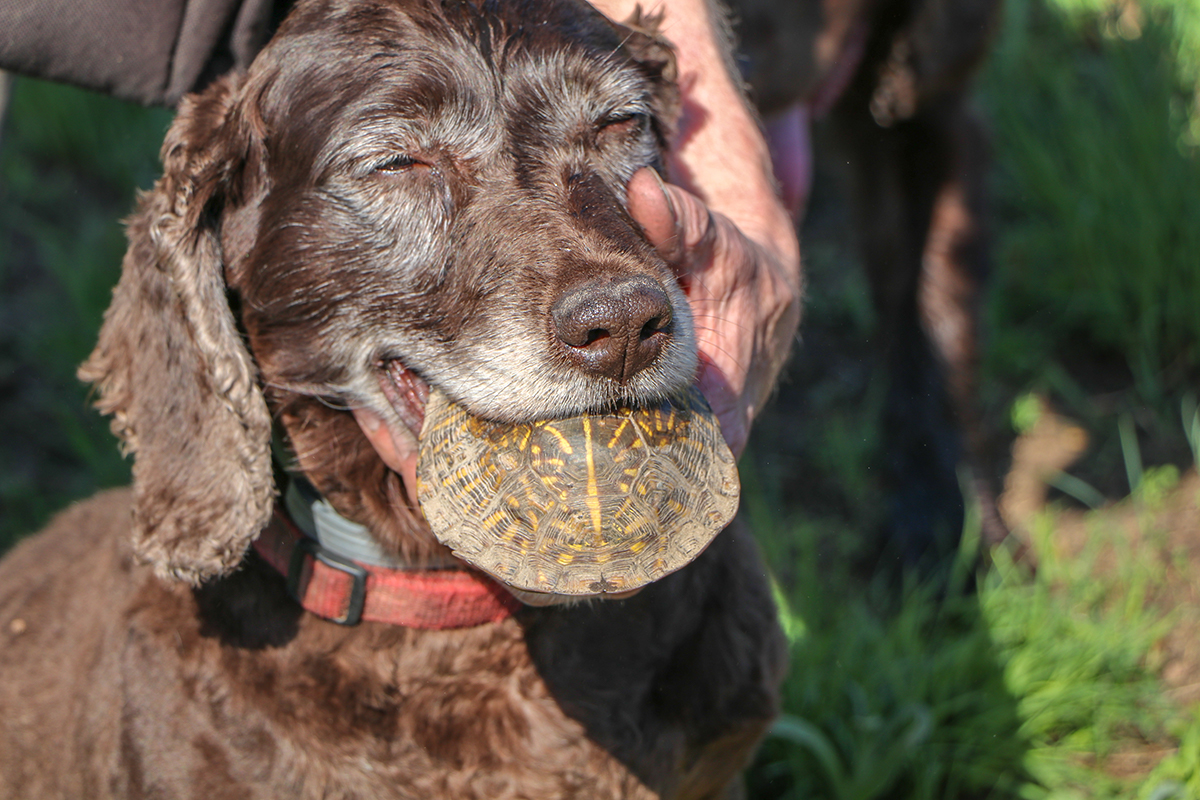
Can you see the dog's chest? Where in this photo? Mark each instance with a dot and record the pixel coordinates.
(371, 712)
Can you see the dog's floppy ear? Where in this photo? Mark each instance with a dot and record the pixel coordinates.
(170, 364)
(654, 54)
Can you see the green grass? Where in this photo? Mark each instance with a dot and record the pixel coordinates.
(1098, 188)
(882, 700)
(1078, 651)
(1030, 689)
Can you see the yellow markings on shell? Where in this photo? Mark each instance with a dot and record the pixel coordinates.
(493, 519)
(617, 433)
(637, 547)
(448, 422)
(528, 432)
(565, 558)
(593, 491)
(466, 488)
(562, 440)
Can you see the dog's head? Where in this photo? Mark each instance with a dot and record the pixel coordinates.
(398, 193)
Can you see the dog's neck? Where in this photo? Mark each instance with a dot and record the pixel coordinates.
(317, 519)
(336, 569)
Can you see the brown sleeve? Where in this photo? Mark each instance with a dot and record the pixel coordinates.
(150, 51)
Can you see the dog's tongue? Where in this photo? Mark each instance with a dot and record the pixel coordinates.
(397, 444)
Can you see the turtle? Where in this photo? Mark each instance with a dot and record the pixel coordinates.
(598, 503)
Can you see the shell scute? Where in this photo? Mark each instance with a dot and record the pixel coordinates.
(582, 505)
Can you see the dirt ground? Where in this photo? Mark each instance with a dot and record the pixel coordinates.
(1166, 528)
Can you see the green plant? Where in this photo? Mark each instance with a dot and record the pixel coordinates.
(1177, 777)
(1099, 203)
(69, 165)
(891, 693)
(1076, 640)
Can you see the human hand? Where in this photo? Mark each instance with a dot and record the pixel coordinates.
(745, 307)
(720, 221)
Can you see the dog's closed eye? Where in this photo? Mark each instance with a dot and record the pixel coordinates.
(624, 123)
(396, 163)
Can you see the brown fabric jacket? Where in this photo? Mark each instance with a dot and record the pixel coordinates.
(149, 51)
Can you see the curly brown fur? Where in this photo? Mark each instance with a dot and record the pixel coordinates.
(118, 684)
(405, 182)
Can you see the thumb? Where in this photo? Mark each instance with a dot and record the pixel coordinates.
(675, 221)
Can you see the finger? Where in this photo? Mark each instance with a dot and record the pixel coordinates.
(650, 205)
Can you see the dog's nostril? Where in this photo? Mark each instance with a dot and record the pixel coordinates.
(613, 329)
(594, 335)
(656, 325)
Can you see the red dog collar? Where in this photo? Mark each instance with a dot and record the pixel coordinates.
(346, 592)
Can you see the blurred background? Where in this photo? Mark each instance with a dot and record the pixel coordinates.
(1073, 669)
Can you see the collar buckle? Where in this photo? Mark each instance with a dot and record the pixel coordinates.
(298, 577)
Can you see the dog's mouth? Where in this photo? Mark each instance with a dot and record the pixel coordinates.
(406, 392)
(589, 505)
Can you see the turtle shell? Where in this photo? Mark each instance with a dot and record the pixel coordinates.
(592, 504)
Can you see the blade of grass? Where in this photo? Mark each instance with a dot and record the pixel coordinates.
(1130, 450)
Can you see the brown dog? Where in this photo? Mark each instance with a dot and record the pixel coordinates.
(398, 193)
(894, 76)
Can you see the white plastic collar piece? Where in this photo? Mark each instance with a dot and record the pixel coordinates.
(335, 533)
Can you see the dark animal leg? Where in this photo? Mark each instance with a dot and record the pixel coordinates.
(954, 274)
(918, 192)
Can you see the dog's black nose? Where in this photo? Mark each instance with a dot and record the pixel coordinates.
(613, 329)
